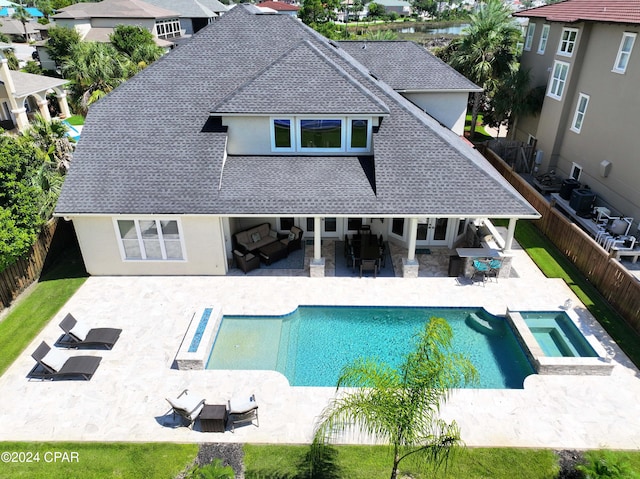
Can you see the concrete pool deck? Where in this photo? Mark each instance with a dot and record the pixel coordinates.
(125, 400)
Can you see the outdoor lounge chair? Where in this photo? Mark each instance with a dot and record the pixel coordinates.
(77, 334)
(53, 364)
(187, 407)
(242, 410)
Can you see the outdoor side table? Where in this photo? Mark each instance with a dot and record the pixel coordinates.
(213, 418)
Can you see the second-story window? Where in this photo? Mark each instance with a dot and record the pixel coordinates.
(558, 80)
(624, 52)
(317, 135)
(321, 134)
(528, 41)
(567, 41)
(581, 110)
(544, 36)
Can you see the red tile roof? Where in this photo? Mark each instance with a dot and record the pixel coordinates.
(279, 6)
(616, 11)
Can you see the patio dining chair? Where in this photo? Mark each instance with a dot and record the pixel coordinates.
(494, 268)
(480, 269)
(369, 265)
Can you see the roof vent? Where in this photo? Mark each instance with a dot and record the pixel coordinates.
(333, 44)
(372, 75)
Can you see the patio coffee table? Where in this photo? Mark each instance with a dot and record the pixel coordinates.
(213, 418)
(273, 252)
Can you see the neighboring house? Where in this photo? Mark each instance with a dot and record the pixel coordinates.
(15, 30)
(22, 95)
(280, 7)
(585, 53)
(96, 22)
(194, 14)
(400, 7)
(273, 124)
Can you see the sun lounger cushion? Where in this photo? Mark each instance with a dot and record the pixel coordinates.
(80, 331)
(186, 403)
(241, 405)
(54, 359)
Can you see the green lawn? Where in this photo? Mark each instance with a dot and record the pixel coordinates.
(481, 133)
(53, 460)
(76, 120)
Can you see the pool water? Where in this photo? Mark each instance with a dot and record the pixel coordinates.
(557, 335)
(312, 344)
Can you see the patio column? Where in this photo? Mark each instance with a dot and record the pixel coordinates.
(316, 267)
(62, 103)
(43, 106)
(510, 233)
(410, 265)
(22, 121)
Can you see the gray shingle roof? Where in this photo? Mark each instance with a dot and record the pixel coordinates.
(276, 89)
(192, 8)
(27, 83)
(147, 148)
(407, 66)
(115, 9)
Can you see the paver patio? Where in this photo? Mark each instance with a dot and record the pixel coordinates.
(125, 400)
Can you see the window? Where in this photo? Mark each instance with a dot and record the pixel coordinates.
(168, 28)
(528, 41)
(321, 134)
(286, 223)
(576, 171)
(397, 226)
(567, 42)
(282, 134)
(150, 239)
(354, 224)
(558, 79)
(581, 109)
(310, 135)
(544, 36)
(624, 52)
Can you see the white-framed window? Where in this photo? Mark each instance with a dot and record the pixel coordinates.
(624, 52)
(576, 171)
(544, 37)
(567, 41)
(316, 134)
(528, 40)
(168, 28)
(581, 109)
(558, 79)
(150, 239)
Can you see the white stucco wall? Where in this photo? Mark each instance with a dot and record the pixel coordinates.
(449, 108)
(202, 238)
(248, 135)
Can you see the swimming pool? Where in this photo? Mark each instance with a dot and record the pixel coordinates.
(310, 345)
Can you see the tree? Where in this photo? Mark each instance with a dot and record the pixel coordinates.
(376, 10)
(136, 43)
(23, 16)
(317, 11)
(20, 198)
(94, 69)
(487, 51)
(401, 405)
(61, 41)
(429, 7)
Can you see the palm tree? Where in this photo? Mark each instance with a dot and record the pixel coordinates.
(401, 404)
(486, 53)
(23, 16)
(94, 69)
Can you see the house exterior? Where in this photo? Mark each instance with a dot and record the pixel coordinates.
(22, 95)
(585, 53)
(95, 21)
(400, 7)
(194, 14)
(258, 119)
(279, 7)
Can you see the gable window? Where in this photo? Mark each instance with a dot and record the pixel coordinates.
(544, 36)
(576, 171)
(321, 134)
(581, 109)
(558, 80)
(155, 240)
(567, 41)
(624, 52)
(529, 38)
(282, 134)
(310, 135)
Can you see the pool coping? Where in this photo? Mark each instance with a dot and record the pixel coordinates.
(543, 364)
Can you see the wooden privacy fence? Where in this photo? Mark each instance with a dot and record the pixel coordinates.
(619, 287)
(17, 277)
